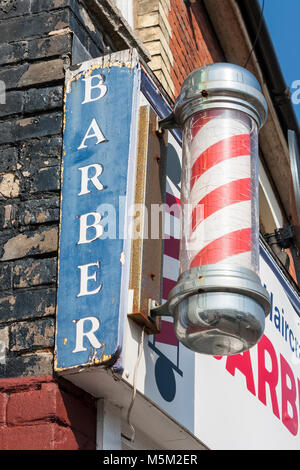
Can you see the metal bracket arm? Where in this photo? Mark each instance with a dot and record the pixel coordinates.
(169, 122)
(159, 310)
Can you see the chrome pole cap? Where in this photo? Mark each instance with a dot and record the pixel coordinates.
(219, 310)
(221, 85)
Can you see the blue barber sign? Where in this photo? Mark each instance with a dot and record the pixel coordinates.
(101, 106)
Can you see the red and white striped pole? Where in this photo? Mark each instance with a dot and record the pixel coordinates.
(219, 304)
(219, 222)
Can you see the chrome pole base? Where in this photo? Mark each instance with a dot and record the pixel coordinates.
(217, 310)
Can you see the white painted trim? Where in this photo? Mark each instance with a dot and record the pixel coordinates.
(126, 8)
(108, 426)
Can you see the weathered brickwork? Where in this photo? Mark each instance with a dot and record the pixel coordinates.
(179, 37)
(37, 40)
(36, 43)
(153, 28)
(193, 42)
(45, 414)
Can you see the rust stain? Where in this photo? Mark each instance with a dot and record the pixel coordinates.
(102, 64)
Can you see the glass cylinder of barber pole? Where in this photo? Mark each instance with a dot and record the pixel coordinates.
(219, 304)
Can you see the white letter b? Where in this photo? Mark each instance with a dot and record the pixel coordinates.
(84, 226)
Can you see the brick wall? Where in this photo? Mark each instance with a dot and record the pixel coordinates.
(179, 36)
(153, 28)
(37, 38)
(43, 414)
(192, 42)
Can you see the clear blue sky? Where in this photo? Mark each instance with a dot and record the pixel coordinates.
(283, 21)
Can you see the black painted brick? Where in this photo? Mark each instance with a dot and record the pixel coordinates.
(15, 8)
(25, 27)
(36, 364)
(10, 53)
(43, 99)
(32, 101)
(39, 145)
(12, 75)
(40, 153)
(28, 243)
(34, 49)
(42, 72)
(78, 19)
(32, 212)
(31, 272)
(13, 105)
(39, 211)
(8, 216)
(50, 46)
(45, 179)
(12, 8)
(38, 126)
(48, 5)
(96, 50)
(79, 31)
(85, 20)
(8, 159)
(27, 304)
(5, 276)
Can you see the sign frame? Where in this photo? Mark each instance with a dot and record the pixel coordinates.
(97, 181)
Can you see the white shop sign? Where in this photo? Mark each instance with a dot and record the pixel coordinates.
(246, 401)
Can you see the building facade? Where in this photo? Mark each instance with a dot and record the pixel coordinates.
(154, 394)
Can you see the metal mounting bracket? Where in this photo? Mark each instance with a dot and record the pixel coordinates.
(169, 122)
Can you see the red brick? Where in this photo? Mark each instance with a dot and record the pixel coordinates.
(68, 439)
(193, 42)
(34, 405)
(212, 43)
(24, 383)
(45, 414)
(65, 439)
(3, 403)
(2, 437)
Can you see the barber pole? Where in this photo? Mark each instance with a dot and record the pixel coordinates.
(218, 304)
(220, 189)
